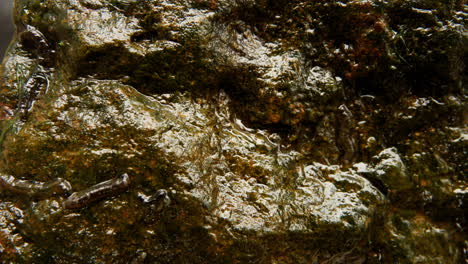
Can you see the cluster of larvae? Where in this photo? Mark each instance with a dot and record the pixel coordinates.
(76, 200)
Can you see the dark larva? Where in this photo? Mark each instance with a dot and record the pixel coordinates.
(37, 84)
(58, 186)
(97, 192)
(34, 41)
(158, 201)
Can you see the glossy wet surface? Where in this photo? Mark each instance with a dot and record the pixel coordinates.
(288, 131)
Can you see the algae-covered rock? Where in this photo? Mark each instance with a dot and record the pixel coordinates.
(387, 170)
(234, 132)
(410, 232)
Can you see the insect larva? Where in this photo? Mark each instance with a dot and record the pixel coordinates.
(58, 186)
(37, 84)
(158, 201)
(97, 192)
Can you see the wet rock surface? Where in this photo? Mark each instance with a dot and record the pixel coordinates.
(250, 131)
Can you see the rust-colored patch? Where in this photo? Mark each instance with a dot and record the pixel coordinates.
(6, 113)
